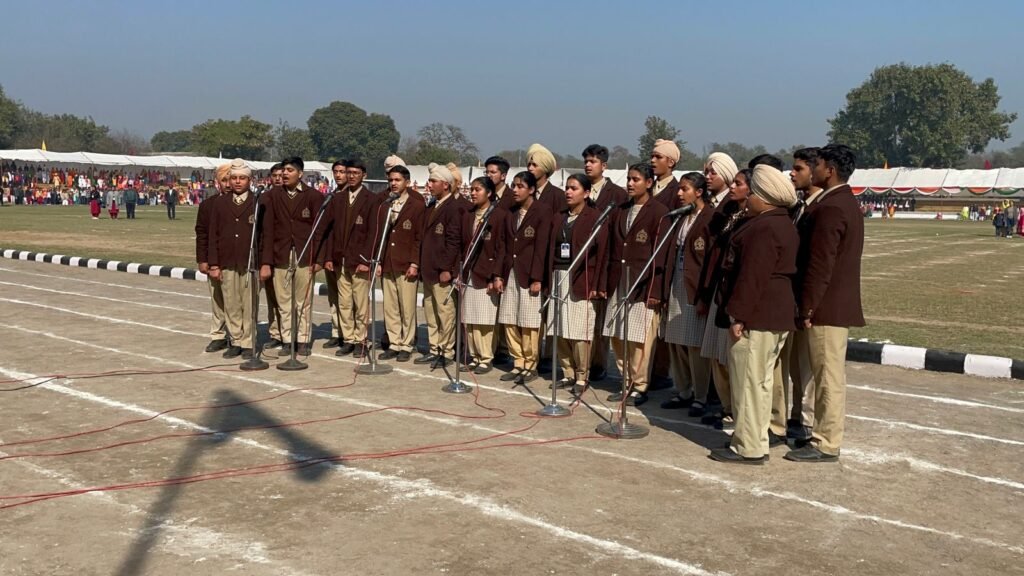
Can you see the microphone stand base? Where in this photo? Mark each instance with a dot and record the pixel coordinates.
(374, 369)
(253, 364)
(292, 365)
(553, 411)
(456, 387)
(627, 431)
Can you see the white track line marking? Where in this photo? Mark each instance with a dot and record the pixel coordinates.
(410, 488)
(703, 477)
(943, 431)
(937, 399)
(875, 457)
(108, 299)
(128, 286)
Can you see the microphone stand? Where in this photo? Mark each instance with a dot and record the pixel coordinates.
(373, 368)
(255, 363)
(553, 408)
(455, 384)
(293, 364)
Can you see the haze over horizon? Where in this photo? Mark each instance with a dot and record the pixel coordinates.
(565, 74)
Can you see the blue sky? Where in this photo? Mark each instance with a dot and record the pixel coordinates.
(563, 73)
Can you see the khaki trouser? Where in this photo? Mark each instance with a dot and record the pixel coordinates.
(574, 358)
(780, 409)
(599, 347)
(353, 305)
(639, 356)
(218, 327)
(721, 375)
(331, 279)
(800, 392)
(238, 306)
(480, 338)
(273, 310)
(440, 319)
(826, 347)
(523, 346)
(283, 286)
(690, 372)
(400, 311)
(751, 366)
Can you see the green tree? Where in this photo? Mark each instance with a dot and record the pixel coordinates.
(10, 120)
(291, 141)
(920, 116)
(176, 141)
(344, 130)
(740, 153)
(656, 128)
(619, 157)
(63, 133)
(244, 138)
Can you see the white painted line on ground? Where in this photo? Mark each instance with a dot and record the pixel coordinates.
(878, 458)
(132, 302)
(988, 366)
(410, 488)
(943, 431)
(106, 284)
(704, 477)
(937, 399)
(98, 317)
(903, 356)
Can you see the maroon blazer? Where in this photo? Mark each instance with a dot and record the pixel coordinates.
(695, 247)
(611, 193)
(758, 270)
(287, 224)
(631, 248)
(528, 246)
(231, 232)
(406, 234)
(440, 240)
(489, 257)
(587, 276)
(831, 244)
(507, 201)
(354, 228)
(553, 197)
(720, 231)
(670, 195)
(203, 228)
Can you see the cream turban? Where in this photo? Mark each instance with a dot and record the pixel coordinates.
(542, 157)
(667, 148)
(456, 174)
(441, 173)
(772, 186)
(238, 166)
(222, 172)
(724, 166)
(392, 161)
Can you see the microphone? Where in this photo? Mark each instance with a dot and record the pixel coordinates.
(604, 215)
(680, 211)
(392, 197)
(487, 214)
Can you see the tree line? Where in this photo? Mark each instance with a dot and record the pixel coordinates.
(933, 116)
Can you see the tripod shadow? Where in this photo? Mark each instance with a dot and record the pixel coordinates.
(225, 419)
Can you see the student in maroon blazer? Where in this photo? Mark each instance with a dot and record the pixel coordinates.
(484, 277)
(439, 257)
(828, 292)
(757, 296)
(525, 270)
(291, 210)
(399, 267)
(218, 328)
(581, 286)
(541, 163)
(339, 170)
(231, 226)
(633, 239)
(603, 193)
(497, 170)
(664, 158)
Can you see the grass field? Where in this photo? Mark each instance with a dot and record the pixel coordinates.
(946, 285)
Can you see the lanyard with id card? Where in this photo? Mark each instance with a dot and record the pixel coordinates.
(564, 250)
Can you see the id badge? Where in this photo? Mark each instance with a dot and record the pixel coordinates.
(564, 250)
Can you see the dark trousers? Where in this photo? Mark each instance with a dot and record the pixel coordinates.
(170, 211)
(130, 209)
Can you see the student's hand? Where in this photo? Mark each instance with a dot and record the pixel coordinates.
(534, 288)
(317, 268)
(602, 295)
(445, 277)
(499, 286)
(265, 272)
(412, 273)
(736, 331)
(214, 272)
(806, 323)
(593, 295)
(203, 267)
(329, 266)
(653, 303)
(362, 268)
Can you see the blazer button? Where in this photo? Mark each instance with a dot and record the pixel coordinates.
(392, 243)
(236, 235)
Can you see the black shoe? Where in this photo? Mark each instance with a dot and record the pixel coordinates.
(286, 350)
(712, 419)
(388, 355)
(562, 384)
(616, 397)
(344, 349)
(483, 368)
(305, 349)
(729, 457)
(441, 362)
(544, 366)
(775, 440)
(233, 352)
(425, 359)
(247, 354)
(332, 343)
(217, 345)
(697, 409)
(403, 356)
(273, 343)
(526, 376)
(634, 399)
(660, 383)
(468, 367)
(598, 373)
(502, 359)
(810, 453)
(511, 375)
(797, 431)
(359, 350)
(677, 402)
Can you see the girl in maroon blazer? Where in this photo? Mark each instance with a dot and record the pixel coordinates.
(634, 237)
(684, 326)
(484, 280)
(576, 290)
(525, 268)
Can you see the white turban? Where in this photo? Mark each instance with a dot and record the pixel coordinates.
(542, 157)
(772, 186)
(238, 166)
(667, 148)
(724, 166)
(456, 174)
(441, 174)
(392, 161)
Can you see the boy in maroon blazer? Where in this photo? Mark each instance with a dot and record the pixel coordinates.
(218, 328)
(828, 293)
